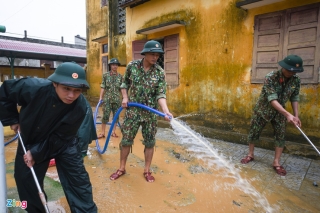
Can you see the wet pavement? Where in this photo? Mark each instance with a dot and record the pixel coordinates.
(299, 169)
(185, 183)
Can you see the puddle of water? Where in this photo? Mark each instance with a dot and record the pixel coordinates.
(200, 148)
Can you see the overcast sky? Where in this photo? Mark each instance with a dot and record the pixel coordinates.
(44, 19)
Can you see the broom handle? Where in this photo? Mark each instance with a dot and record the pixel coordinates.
(41, 195)
(308, 139)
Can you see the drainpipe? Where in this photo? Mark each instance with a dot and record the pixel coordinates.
(3, 183)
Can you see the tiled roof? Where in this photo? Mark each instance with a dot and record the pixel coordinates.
(27, 47)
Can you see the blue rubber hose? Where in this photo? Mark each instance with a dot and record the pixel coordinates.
(115, 117)
(96, 114)
(11, 140)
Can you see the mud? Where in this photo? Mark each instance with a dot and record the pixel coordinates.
(183, 183)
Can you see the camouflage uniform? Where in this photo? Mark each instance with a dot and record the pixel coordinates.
(274, 88)
(144, 88)
(112, 96)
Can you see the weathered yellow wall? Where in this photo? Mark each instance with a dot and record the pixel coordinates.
(310, 93)
(215, 57)
(118, 49)
(97, 27)
(213, 73)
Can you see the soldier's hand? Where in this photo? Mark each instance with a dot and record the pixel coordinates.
(297, 121)
(168, 116)
(124, 103)
(15, 127)
(294, 120)
(28, 159)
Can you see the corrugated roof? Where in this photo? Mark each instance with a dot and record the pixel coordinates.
(40, 48)
(29, 50)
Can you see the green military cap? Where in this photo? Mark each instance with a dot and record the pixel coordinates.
(152, 47)
(114, 61)
(70, 74)
(292, 63)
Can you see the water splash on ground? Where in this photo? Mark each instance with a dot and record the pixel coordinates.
(202, 149)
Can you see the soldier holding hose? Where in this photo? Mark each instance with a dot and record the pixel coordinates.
(144, 83)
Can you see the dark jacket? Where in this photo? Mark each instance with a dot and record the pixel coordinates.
(46, 123)
(87, 131)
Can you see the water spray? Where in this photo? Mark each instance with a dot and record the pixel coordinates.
(243, 184)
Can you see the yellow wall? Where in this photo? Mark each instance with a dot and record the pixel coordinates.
(310, 93)
(97, 27)
(215, 57)
(26, 71)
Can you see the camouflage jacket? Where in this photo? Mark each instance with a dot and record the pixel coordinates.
(275, 88)
(111, 85)
(144, 87)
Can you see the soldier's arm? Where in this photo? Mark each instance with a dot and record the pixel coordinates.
(290, 118)
(101, 94)
(163, 104)
(125, 99)
(102, 86)
(295, 108)
(125, 86)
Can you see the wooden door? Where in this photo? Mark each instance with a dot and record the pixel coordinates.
(302, 38)
(137, 47)
(268, 40)
(171, 59)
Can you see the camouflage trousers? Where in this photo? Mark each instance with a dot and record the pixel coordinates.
(107, 108)
(279, 128)
(130, 127)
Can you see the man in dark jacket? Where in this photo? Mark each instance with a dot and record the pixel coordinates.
(51, 113)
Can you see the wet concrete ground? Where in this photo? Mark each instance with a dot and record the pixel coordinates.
(185, 183)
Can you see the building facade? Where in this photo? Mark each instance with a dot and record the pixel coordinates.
(217, 53)
(22, 57)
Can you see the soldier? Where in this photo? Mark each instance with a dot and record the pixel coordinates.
(279, 87)
(110, 93)
(144, 81)
(51, 113)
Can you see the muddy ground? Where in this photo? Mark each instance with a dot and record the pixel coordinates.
(183, 183)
